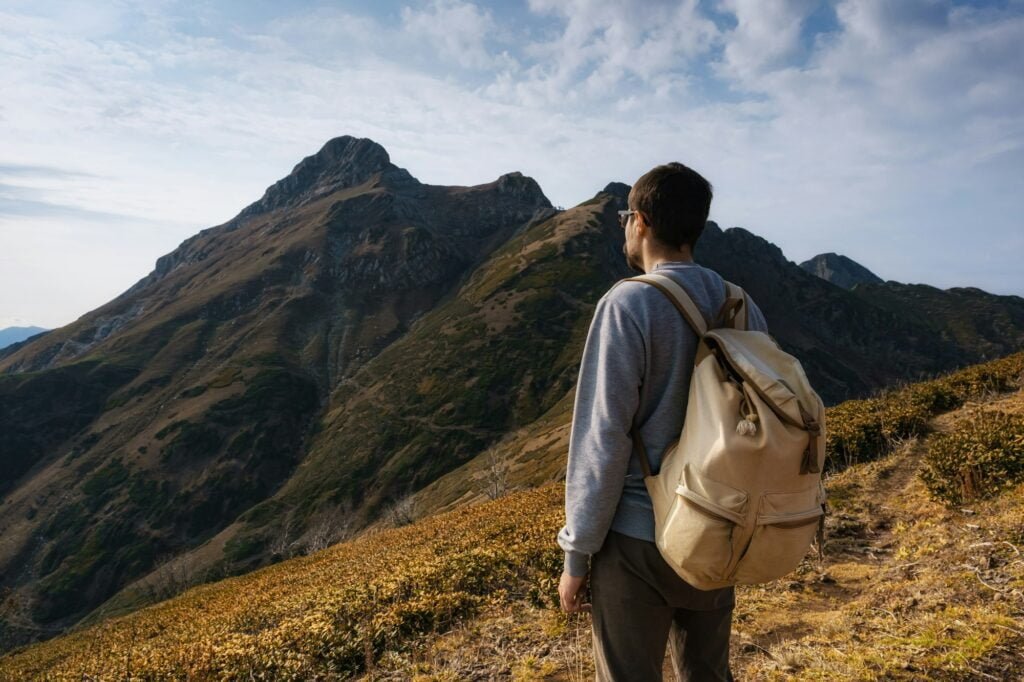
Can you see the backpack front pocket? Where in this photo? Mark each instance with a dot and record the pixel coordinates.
(697, 535)
(786, 523)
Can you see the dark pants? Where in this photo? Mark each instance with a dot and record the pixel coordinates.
(640, 604)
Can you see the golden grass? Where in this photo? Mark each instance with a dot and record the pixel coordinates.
(331, 613)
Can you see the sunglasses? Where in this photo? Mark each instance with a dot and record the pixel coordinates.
(624, 218)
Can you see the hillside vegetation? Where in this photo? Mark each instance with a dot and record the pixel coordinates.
(909, 587)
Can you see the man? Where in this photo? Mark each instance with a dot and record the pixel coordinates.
(635, 370)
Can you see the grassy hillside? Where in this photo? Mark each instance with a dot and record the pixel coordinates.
(909, 587)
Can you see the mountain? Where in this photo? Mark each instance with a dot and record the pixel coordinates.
(10, 335)
(970, 318)
(149, 424)
(839, 270)
(988, 324)
(354, 338)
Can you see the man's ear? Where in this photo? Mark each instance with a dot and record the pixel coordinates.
(641, 223)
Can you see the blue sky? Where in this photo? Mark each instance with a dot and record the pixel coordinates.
(891, 132)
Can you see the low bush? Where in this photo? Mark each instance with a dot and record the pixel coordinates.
(983, 455)
(863, 430)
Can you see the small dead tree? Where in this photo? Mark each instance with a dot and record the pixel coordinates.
(494, 482)
(402, 512)
(172, 576)
(282, 547)
(331, 525)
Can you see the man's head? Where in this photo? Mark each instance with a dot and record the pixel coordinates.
(672, 201)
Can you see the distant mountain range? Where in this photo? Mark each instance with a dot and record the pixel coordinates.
(348, 340)
(14, 334)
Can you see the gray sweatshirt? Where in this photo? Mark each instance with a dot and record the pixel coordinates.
(636, 364)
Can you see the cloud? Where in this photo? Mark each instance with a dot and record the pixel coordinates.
(766, 36)
(875, 22)
(891, 101)
(37, 190)
(458, 31)
(15, 170)
(318, 33)
(18, 201)
(608, 46)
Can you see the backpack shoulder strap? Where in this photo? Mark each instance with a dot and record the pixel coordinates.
(679, 298)
(735, 310)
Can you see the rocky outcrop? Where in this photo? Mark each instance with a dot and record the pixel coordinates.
(839, 270)
(342, 162)
(617, 189)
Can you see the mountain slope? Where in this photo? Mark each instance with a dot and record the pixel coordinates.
(908, 589)
(494, 357)
(987, 323)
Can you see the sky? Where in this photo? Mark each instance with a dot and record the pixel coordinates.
(889, 132)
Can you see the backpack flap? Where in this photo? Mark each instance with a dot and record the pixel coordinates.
(760, 364)
(779, 379)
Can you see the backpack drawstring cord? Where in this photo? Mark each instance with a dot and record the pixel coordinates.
(747, 426)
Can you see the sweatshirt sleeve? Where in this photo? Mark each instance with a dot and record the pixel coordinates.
(607, 398)
(755, 318)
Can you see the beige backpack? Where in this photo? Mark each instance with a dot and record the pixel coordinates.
(738, 498)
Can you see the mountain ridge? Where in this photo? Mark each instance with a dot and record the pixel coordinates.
(19, 334)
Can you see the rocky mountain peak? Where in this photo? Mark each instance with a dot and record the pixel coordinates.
(617, 189)
(342, 162)
(840, 270)
(520, 186)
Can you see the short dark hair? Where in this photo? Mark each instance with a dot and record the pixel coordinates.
(675, 201)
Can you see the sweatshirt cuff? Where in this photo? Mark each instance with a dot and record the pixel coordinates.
(577, 564)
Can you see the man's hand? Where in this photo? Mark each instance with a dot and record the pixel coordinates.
(570, 590)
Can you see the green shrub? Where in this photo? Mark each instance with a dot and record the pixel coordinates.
(863, 430)
(982, 456)
(194, 442)
(193, 392)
